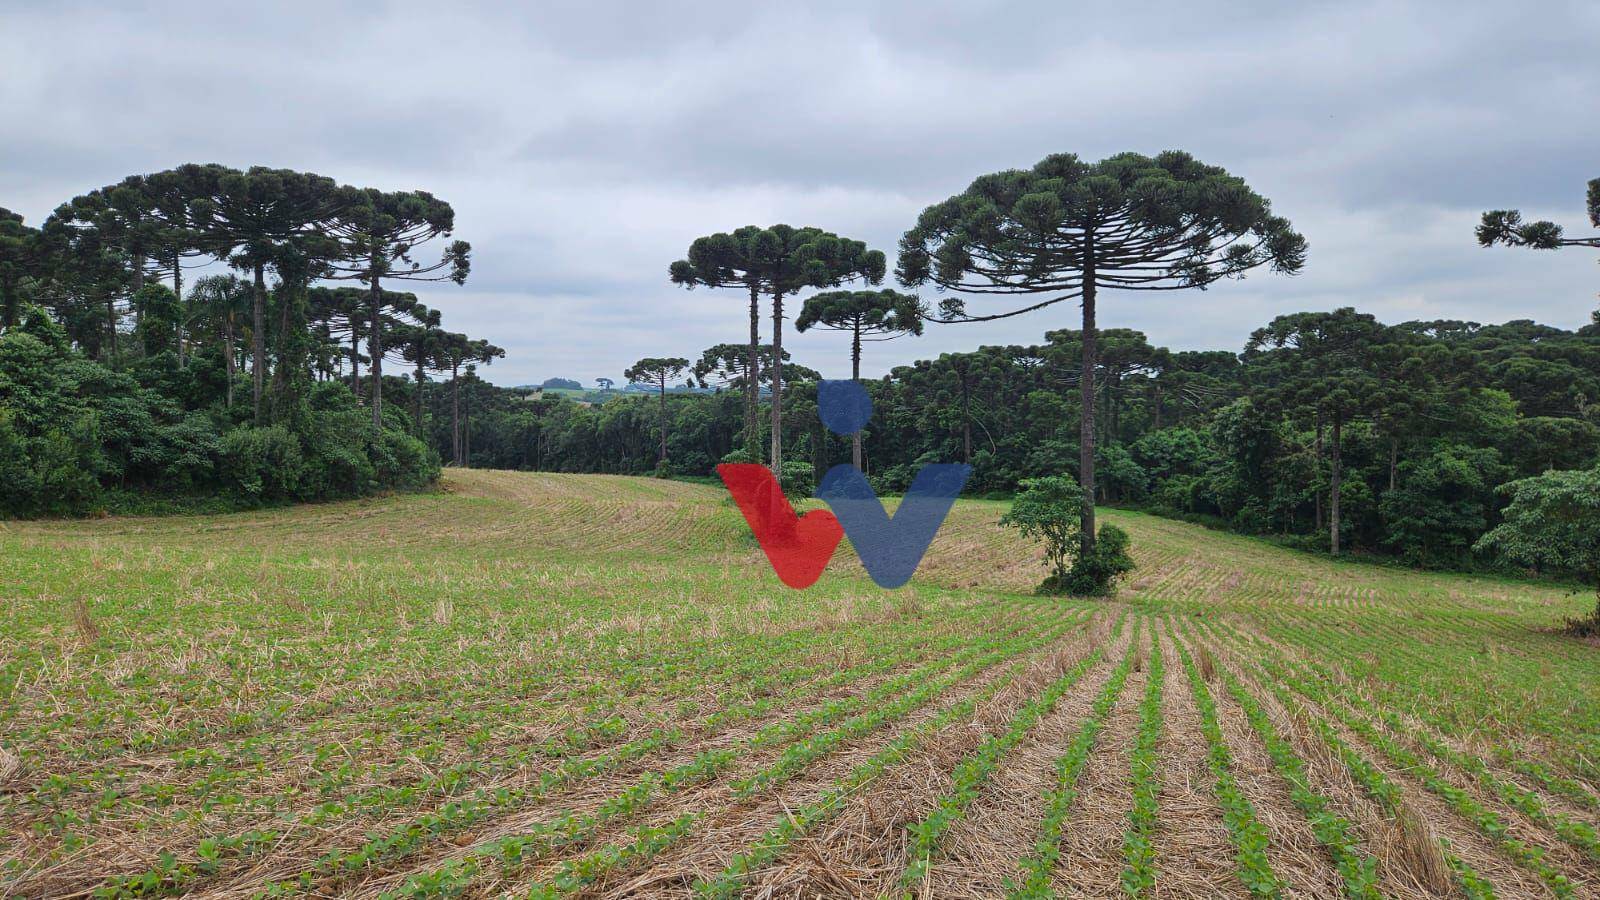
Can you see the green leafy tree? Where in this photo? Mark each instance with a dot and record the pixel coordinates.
(776, 262)
(1067, 228)
(421, 345)
(178, 201)
(728, 366)
(269, 218)
(22, 255)
(1443, 504)
(379, 233)
(1047, 510)
(865, 316)
(656, 372)
(1329, 367)
(455, 351)
(225, 301)
(1553, 522)
(605, 384)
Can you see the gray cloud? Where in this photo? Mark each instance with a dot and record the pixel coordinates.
(584, 145)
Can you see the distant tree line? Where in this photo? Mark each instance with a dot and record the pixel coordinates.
(122, 374)
(1417, 425)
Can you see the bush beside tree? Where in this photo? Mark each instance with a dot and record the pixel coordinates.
(1046, 509)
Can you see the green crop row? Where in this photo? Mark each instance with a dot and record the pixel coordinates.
(1333, 831)
(1058, 802)
(1138, 848)
(1249, 836)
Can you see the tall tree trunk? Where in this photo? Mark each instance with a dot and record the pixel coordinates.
(966, 420)
(282, 372)
(1317, 455)
(777, 384)
(1333, 491)
(111, 323)
(355, 356)
(138, 285)
(455, 412)
(466, 426)
(8, 303)
(419, 394)
(1157, 405)
(663, 417)
(375, 348)
(1086, 536)
(258, 337)
(752, 376)
(1394, 463)
(227, 353)
(855, 374)
(177, 293)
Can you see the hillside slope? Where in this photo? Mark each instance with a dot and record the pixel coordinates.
(544, 684)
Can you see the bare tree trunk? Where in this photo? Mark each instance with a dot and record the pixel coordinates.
(855, 373)
(375, 348)
(1394, 463)
(1086, 537)
(177, 292)
(1333, 493)
(777, 384)
(227, 353)
(419, 394)
(111, 325)
(455, 413)
(1317, 453)
(466, 427)
(966, 420)
(663, 417)
(752, 376)
(138, 285)
(258, 337)
(355, 357)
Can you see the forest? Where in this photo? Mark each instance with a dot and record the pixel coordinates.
(293, 366)
(1438, 416)
(123, 387)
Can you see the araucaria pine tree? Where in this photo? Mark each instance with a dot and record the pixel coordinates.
(1067, 228)
(776, 262)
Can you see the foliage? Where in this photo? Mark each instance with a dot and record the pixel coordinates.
(775, 262)
(159, 398)
(1046, 510)
(1067, 228)
(1554, 522)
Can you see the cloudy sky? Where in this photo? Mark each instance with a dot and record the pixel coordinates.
(584, 145)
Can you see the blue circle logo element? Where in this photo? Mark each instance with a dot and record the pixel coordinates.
(843, 405)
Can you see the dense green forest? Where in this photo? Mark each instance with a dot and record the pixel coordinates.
(1431, 418)
(124, 384)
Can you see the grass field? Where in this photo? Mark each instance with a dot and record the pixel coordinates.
(474, 693)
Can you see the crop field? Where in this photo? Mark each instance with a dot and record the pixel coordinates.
(474, 693)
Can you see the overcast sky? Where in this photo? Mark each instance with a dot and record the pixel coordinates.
(584, 145)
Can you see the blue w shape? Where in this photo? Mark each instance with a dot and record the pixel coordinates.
(891, 548)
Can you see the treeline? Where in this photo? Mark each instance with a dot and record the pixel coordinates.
(124, 377)
(1395, 438)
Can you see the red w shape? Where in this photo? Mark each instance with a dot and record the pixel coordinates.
(798, 547)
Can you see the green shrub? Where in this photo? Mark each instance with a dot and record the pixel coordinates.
(1095, 574)
(799, 479)
(262, 463)
(1048, 509)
